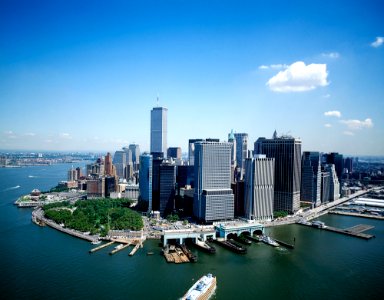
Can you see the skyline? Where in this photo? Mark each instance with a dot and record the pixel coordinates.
(81, 77)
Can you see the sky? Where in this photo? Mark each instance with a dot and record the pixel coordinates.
(84, 75)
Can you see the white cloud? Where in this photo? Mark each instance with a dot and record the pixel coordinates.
(333, 113)
(327, 96)
(348, 133)
(357, 124)
(378, 42)
(299, 77)
(333, 55)
(328, 125)
(30, 134)
(273, 66)
(65, 136)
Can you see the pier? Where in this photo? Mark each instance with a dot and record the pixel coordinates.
(355, 231)
(119, 247)
(101, 247)
(286, 245)
(353, 214)
(134, 249)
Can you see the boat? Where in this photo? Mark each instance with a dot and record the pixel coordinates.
(266, 239)
(204, 246)
(150, 253)
(118, 247)
(241, 239)
(192, 257)
(96, 242)
(232, 246)
(204, 288)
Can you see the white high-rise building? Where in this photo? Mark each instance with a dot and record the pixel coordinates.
(334, 185)
(159, 130)
(213, 197)
(259, 187)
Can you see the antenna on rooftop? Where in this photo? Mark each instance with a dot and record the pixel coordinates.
(157, 101)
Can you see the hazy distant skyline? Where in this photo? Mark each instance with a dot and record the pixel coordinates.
(84, 75)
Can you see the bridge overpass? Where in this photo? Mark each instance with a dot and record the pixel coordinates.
(237, 228)
(181, 234)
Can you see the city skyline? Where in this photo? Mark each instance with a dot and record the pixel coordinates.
(85, 77)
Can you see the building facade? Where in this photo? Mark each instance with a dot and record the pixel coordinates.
(213, 196)
(174, 152)
(259, 187)
(287, 154)
(145, 179)
(167, 188)
(241, 151)
(159, 129)
(311, 178)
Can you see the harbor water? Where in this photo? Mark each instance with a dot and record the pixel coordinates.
(42, 263)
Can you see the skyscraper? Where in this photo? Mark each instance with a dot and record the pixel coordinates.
(135, 150)
(232, 140)
(191, 150)
(259, 187)
(108, 164)
(120, 162)
(287, 153)
(167, 188)
(334, 185)
(213, 196)
(159, 129)
(241, 150)
(311, 178)
(174, 152)
(145, 179)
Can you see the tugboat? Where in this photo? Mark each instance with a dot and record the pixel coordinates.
(266, 239)
(204, 246)
(204, 288)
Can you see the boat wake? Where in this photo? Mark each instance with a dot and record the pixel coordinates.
(32, 176)
(11, 188)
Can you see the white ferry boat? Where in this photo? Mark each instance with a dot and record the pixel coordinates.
(203, 289)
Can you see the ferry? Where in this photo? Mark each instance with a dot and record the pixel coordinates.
(203, 289)
(204, 246)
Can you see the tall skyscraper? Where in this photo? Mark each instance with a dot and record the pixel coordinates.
(159, 129)
(311, 178)
(167, 188)
(120, 162)
(287, 153)
(325, 187)
(145, 179)
(232, 141)
(213, 196)
(334, 185)
(259, 187)
(108, 165)
(241, 150)
(191, 150)
(135, 150)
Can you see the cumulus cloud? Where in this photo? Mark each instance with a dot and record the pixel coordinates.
(357, 124)
(263, 67)
(348, 133)
(333, 113)
(30, 134)
(378, 42)
(328, 125)
(327, 96)
(332, 55)
(299, 77)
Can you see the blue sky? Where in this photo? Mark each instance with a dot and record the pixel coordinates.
(84, 75)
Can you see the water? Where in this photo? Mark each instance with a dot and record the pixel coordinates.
(41, 263)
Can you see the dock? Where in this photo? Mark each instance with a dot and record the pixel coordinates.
(353, 214)
(117, 249)
(100, 247)
(355, 231)
(134, 249)
(175, 255)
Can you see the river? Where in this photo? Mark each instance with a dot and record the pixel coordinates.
(42, 263)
